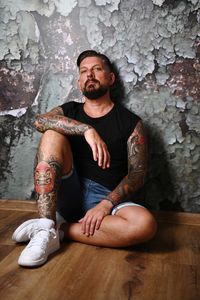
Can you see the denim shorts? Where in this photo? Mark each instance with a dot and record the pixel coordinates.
(77, 195)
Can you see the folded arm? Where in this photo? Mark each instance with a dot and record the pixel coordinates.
(55, 120)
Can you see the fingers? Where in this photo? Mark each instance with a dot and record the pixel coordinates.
(90, 224)
(93, 218)
(103, 156)
(107, 160)
(99, 149)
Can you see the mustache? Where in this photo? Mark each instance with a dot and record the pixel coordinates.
(91, 80)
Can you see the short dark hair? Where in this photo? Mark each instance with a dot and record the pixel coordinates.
(93, 53)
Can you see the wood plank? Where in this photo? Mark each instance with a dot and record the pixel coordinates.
(177, 217)
(174, 244)
(26, 205)
(161, 216)
(86, 272)
(163, 269)
(9, 221)
(5, 250)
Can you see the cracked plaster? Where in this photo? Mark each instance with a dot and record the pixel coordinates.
(146, 28)
(158, 2)
(155, 46)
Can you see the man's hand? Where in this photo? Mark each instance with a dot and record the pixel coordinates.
(40, 123)
(93, 218)
(99, 148)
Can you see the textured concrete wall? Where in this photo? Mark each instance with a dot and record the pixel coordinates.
(156, 47)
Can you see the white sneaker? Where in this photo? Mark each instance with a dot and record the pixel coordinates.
(43, 242)
(25, 230)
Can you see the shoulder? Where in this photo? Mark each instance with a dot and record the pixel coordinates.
(124, 109)
(126, 120)
(127, 116)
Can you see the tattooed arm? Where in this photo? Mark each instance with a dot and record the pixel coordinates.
(55, 120)
(137, 166)
(137, 161)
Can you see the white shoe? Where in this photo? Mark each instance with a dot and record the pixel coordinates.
(25, 230)
(43, 242)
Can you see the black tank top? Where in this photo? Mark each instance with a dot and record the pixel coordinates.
(114, 128)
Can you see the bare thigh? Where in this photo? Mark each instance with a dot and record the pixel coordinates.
(55, 146)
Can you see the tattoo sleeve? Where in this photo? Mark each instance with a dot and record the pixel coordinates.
(47, 178)
(137, 165)
(55, 120)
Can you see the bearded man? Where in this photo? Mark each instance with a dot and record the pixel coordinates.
(91, 160)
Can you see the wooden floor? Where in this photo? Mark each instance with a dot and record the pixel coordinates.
(168, 267)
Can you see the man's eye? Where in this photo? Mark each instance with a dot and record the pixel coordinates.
(82, 71)
(98, 68)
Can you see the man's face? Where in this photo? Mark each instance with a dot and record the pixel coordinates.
(95, 78)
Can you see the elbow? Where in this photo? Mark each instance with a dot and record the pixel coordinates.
(35, 121)
(38, 122)
(135, 185)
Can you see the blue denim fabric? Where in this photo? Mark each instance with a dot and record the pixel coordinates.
(92, 193)
(77, 195)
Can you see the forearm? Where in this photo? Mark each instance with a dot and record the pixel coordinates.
(127, 187)
(61, 124)
(137, 166)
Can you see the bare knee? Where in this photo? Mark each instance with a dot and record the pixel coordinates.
(50, 136)
(142, 226)
(54, 145)
(148, 228)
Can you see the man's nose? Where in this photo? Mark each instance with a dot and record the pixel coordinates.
(90, 73)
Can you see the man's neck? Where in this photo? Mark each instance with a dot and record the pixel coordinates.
(98, 108)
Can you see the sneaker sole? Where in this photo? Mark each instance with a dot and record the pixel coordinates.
(16, 235)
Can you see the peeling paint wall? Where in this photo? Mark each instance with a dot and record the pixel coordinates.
(156, 47)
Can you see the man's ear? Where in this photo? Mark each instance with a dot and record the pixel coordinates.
(112, 78)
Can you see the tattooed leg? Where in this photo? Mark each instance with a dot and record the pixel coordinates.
(53, 160)
(47, 179)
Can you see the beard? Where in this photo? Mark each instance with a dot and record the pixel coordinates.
(94, 93)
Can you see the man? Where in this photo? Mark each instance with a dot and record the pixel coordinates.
(90, 162)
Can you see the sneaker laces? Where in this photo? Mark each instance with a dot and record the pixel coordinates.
(34, 229)
(40, 237)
